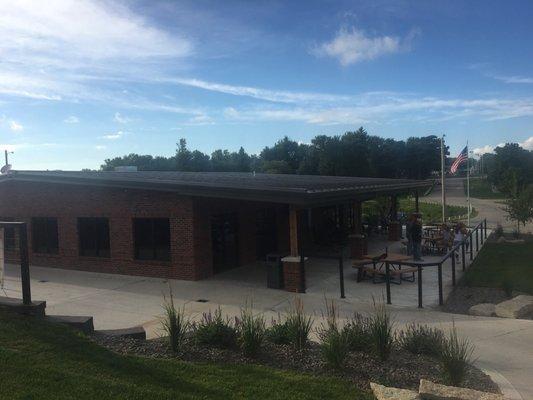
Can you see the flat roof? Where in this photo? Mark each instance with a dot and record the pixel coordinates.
(305, 190)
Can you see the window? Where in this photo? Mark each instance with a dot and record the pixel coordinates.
(10, 238)
(44, 234)
(10, 242)
(94, 237)
(152, 238)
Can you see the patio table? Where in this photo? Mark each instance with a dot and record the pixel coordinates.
(378, 262)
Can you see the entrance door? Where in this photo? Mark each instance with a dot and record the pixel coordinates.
(266, 232)
(224, 238)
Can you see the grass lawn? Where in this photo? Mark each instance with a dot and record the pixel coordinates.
(500, 264)
(482, 189)
(432, 212)
(44, 361)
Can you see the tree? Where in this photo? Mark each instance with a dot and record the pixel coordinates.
(511, 169)
(520, 208)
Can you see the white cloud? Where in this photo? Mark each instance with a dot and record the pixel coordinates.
(114, 136)
(350, 46)
(281, 96)
(375, 107)
(528, 143)
(55, 47)
(71, 120)
(121, 119)
(513, 79)
(201, 119)
(15, 126)
(100, 147)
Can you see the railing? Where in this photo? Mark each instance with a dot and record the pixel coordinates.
(480, 233)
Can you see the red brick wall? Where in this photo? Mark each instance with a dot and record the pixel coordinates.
(21, 201)
(191, 249)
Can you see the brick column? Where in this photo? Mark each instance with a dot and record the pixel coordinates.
(293, 274)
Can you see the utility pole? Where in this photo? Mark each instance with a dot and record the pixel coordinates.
(6, 153)
(442, 179)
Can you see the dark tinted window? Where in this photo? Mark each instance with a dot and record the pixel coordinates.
(94, 237)
(44, 234)
(10, 238)
(152, 238)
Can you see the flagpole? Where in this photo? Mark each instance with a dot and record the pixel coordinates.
(442, 179)
(468, 182)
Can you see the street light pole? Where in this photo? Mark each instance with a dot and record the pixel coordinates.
(442, 179)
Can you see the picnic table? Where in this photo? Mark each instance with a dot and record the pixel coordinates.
(374, 266)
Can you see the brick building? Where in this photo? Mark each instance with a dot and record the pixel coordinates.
(180, 225)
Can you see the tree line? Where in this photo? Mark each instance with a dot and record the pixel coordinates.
(350, 154)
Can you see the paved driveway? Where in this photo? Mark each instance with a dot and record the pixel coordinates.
(115, 301)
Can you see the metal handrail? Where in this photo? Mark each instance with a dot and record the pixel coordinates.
(481, 226)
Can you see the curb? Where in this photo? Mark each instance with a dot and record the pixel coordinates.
(506, 387)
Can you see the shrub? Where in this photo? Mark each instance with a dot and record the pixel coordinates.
(298, 325)
(381, 331)
(213, 330)
(498, 231)
(278, 333)
(333, 342)
(421, 339)
(174, 323)
(357, 332)
(455, 356)
(251, 330)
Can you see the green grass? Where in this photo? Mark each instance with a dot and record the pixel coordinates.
(500, 264)
(482, 189)
(432, 212)
(44, 361)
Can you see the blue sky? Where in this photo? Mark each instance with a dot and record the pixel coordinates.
(85, 80)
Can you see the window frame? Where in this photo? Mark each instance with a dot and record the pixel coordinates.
(154, 248)
(101, 248)
(50, 223)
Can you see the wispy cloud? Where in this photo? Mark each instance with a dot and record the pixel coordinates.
(72, 119)
(53, 46)
(15, 126)
(114, 135)
(513, 79)
(100, 147)
(281, 96)
(372, 107)
(351, 45)
(121, 119)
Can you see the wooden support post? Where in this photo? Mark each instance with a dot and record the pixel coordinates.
(358, 218)
(293, 231)
(417, 205)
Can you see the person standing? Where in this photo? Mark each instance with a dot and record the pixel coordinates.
(416, 238)
(459, 235)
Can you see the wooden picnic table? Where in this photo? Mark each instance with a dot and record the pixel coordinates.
(368, 265)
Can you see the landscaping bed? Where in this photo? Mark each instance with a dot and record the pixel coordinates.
(402, 369)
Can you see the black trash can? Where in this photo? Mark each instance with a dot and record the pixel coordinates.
(274, 271)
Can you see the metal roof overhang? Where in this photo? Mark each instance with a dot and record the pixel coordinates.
(295, 196)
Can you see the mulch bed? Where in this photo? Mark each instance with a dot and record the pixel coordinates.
(464, 297)
(403, 369)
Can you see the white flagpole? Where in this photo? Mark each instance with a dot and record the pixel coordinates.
(442, 179)
(468, 182)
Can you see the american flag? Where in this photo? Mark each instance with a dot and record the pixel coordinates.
(461, 158)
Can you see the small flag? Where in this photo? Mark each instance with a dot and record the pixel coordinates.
(461, 158)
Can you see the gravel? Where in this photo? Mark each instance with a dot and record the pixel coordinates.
(403, 369)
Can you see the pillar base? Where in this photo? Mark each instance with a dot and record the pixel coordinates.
(358, 246)
(294, 274)
(394, 231)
